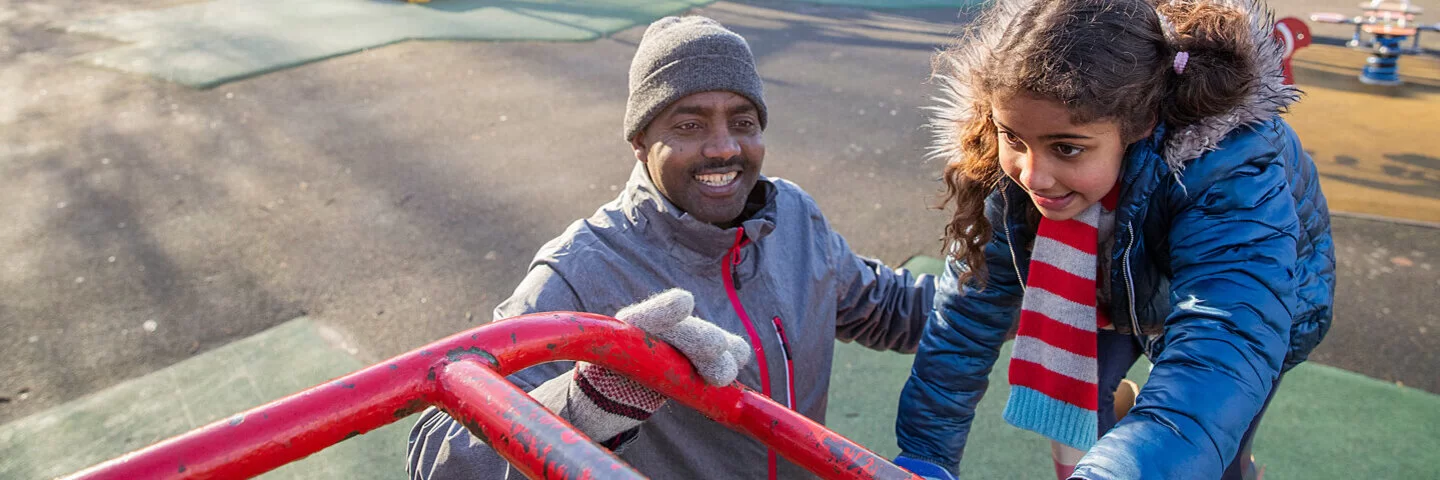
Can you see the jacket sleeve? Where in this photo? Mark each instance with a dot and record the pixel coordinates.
(879, 307)
(441, 448)
(957, 351)
(1233, 233)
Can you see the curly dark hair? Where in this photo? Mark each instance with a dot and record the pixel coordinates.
(1102, 59)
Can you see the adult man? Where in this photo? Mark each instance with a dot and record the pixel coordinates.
(697, 215)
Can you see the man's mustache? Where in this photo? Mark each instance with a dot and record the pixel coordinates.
(712, 164)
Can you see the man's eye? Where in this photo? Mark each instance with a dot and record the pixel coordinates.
(689, 126)
(744, 124)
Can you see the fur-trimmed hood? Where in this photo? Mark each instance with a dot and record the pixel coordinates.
(1267, 97)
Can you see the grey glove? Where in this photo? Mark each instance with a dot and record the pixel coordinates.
(604, 404)
(715, 353)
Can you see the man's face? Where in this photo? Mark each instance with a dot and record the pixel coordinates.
(704, 154)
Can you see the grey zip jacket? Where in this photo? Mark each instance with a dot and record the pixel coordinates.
(794, 278)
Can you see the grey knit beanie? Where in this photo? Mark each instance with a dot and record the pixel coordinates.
(680, 56)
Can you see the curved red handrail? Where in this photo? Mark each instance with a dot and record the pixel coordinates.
(464, 375)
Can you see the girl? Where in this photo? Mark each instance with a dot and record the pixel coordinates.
(1122, 184)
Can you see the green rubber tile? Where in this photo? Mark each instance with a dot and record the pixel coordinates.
(864, 399)
(1331, 423)
(1325, 423)
(925, 264)
(214, 385)
(206, 44)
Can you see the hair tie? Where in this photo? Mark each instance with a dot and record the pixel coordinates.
(1181, 59)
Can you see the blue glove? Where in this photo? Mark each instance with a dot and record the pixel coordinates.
(924, 469)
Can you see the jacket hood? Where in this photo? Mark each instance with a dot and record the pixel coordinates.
(1266, 99)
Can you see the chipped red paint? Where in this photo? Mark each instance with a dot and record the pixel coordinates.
(520, 429)
(468, 382)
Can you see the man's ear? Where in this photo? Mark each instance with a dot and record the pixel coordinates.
(641, 151)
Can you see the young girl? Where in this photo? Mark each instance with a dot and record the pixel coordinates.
(1123, 184)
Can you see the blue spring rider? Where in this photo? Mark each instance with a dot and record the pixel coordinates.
(1389, 24)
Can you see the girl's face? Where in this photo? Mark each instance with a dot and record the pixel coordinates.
(1065, 167)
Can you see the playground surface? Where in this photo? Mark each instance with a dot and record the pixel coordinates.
(214, 206)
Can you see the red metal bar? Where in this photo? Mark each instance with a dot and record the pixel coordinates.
(461, 374)
(535, 441)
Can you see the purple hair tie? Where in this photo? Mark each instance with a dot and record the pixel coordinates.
(1181, 59)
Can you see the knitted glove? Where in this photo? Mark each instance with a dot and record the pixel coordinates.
(604, 404)
(924, 469)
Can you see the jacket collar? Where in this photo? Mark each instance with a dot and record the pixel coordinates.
(1265, 98)
(683, 236)
(1142, 169)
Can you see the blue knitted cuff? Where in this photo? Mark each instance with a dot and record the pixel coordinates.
(1065, 423)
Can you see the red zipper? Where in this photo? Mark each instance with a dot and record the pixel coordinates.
(731, 277)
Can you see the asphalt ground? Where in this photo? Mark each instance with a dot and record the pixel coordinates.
(395, 195)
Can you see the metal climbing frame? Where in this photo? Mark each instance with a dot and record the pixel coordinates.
(465, 376)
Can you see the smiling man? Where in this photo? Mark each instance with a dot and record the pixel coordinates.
(760, 259)
(705, 150)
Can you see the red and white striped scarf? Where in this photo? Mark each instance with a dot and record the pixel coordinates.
(1053, 372)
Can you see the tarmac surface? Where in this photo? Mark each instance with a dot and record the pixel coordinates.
(396, 194)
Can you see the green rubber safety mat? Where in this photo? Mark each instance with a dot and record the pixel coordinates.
(1325, 423)
(133, 414)
(206, 44)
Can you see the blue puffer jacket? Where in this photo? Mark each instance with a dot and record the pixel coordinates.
(1221, 258)
(1232, 269)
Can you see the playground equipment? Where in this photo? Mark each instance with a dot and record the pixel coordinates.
(1294, 35)
(1389, 24)
(464, 375)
